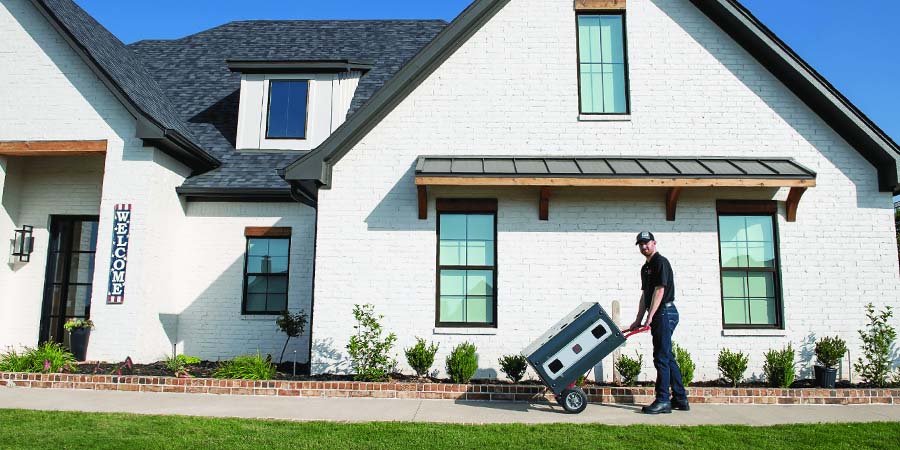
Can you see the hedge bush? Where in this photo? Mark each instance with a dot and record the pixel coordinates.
(462, 363)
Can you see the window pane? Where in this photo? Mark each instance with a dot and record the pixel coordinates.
(733, 285)
(78, 301)
(480, 227)
(762, 311)
(611, 41)
(733, 254)
(276, 302)
(761, 285)
(256, 285)
(453, 253)
(278, 264)
(760, 254)
(452, 308)
(759, 228)
(257, 247)
(255, 264)
(586, 41)
(480, 253)
(278, 247)
(256, 302)
(81, 269)
(277, 285)
(731, 229)
(287, 109)
(84, 236)
(453, 226)
(479, 282)
(479, 309)
(735, 311)
(453, 282)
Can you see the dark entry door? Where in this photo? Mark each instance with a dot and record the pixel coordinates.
(70, 271)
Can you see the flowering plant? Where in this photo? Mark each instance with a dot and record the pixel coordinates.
(72, 324)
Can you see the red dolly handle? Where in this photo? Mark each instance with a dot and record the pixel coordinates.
(636, 331)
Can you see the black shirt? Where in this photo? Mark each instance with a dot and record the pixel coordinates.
(657, 272)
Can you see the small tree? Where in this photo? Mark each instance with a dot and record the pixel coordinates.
(369, 351)
(462, 363)
(629, 368)
(779, 367)
(513, 366)
(421, 356)
(732, 365)
(875, 365)
(830, 350)
(292, 325)
(685, 363)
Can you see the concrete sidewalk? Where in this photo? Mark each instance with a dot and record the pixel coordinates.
(446, 411)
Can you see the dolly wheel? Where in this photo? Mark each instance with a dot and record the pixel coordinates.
(574, 400)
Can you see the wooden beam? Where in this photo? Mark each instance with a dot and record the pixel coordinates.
(544, 209)
(612, 182)
(52, 148)
(267, 231)
(672, 203)
(599, 5)
(746, 206)
(792, 201)
(423, 202)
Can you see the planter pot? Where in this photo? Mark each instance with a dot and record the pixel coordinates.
(825, 376)
(78, 342)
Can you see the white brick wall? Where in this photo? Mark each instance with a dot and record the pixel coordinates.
(693, 92)
(184, 261)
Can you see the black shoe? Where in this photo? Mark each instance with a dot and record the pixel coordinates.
(657, 407)
(682, 405)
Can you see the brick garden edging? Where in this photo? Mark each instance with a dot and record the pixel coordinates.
(483, 392)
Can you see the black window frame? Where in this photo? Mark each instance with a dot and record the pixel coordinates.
(247, 275)
(468, 207)
(760, 208)
(269, 110)
(602, 12)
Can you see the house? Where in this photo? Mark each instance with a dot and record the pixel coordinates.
(474, 181)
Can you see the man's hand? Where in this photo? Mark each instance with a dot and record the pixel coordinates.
(649, 320)
(634, 325)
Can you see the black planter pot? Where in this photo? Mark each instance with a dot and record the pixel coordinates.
(78, 342)
(825, 377)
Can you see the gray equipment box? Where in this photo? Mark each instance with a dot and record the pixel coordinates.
(573, 346)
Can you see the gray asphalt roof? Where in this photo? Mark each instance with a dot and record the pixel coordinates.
(194, 75)
(120, 65)
(603, 167)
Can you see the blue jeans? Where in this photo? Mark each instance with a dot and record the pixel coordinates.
(667, 371)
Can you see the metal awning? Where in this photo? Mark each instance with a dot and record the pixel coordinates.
(674, 173)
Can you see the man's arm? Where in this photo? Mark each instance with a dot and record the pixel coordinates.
(657, 299)
(640, 315)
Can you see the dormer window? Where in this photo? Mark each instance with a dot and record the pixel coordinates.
(293, 105)
(288, 100)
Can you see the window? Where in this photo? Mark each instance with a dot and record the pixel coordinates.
(266, 272)
(602, 69)
(467, 263)
(287, 109)
(749, 268)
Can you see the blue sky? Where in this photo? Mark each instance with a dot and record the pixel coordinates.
(856, 48)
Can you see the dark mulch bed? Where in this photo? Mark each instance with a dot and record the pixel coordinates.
(287, 371)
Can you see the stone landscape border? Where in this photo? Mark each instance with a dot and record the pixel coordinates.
(439, 391)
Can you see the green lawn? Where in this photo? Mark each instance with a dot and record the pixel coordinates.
(36, 429)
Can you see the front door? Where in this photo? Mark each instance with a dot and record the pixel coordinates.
(70, 271)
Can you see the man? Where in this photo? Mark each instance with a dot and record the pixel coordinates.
(657, 300)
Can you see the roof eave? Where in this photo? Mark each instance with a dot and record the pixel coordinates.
(316, 165)
(148, 129)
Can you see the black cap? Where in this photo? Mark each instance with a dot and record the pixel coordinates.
(644, 236)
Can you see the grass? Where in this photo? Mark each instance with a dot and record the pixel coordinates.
(21, 429)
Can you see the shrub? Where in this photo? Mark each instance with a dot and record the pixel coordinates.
(247, 367)
(72, 324)
(292, 325)
(732, 365)
(629, 368)
(369, 351)
(462, 363)
(178, 364)
(685, 363)
(779, 367)
(875, 365)
(514, 366)
(421, 356)
(830, 350)
(48, 357)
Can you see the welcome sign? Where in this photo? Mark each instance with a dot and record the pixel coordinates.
(119, 259)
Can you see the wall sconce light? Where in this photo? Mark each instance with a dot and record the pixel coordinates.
(23, 243)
